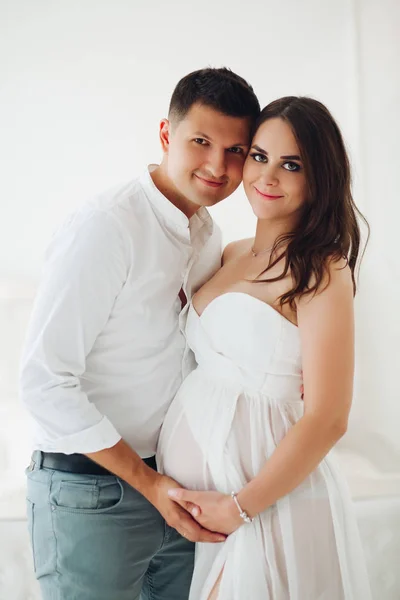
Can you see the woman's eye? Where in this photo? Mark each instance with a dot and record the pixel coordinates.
(200, 141)
(259, 157)
(291, 166)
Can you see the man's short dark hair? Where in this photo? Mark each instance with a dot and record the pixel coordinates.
(220, 89)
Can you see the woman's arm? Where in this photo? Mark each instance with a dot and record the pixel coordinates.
(326, 326)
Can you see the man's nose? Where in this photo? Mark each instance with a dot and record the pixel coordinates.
(216, 164)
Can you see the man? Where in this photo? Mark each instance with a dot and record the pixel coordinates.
(105, 355)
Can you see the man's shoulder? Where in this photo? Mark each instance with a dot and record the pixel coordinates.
(123, 207)
(120, 201)
(114, 213)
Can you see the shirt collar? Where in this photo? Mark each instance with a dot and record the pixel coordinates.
(170, 213)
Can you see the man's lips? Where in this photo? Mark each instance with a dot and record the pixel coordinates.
(267, 196)
(214, 184)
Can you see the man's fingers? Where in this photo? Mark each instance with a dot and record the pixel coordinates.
(199, 534)
(211, 537)
(192, 531)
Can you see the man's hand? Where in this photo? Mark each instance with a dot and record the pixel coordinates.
(212, 510)
(122, 460)
(179, 516)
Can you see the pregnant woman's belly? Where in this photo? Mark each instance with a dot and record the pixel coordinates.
(178, 454)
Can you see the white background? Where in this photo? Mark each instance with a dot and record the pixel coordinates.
(83, 85)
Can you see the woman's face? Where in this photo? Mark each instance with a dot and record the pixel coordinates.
(273, 174)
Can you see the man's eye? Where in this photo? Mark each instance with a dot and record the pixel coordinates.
(236, 150)
(200, 141)
(259, 157)
(291, 166)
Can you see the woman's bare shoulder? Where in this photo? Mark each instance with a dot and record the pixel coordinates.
(338, 273)
(236, 248)
(336, 283)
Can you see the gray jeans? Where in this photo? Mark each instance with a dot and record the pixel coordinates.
(96, 538)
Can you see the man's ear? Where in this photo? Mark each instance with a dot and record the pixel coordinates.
(165, 132)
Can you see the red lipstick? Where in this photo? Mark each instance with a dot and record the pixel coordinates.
(267, 196)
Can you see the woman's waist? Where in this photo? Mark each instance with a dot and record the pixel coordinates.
(240, 380)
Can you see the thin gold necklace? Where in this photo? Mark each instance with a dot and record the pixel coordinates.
(261, 251)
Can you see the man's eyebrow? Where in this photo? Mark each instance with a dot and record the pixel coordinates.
(285, 156)
(203, 135)
(207, 137)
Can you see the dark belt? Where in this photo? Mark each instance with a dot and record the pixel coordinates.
(75, 463)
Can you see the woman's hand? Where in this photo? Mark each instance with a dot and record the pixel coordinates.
(213, 511)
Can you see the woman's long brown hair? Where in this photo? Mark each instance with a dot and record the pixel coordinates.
(328, 229)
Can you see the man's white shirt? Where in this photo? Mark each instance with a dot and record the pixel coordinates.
(105, 351)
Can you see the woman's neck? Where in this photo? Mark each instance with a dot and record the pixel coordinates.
(267, 232)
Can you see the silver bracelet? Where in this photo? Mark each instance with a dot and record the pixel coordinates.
(243, 514)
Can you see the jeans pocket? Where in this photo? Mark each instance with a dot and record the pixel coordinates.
(110, 494)
(87, 497)
(77, 495)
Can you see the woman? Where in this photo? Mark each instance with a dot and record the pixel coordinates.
(278, 314)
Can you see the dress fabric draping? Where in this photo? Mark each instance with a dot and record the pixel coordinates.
(227, 418)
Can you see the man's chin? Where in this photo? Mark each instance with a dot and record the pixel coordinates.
(210, 197)
(207, 202)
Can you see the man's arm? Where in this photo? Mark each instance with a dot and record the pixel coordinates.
(85, 271)
(126, 464)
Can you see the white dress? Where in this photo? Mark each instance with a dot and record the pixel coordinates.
(225, 421)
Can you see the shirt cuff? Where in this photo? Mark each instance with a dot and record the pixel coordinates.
(98, 437)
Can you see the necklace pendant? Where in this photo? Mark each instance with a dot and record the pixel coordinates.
(261, 251)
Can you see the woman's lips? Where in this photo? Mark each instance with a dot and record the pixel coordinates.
(214, 184)
(267, 196)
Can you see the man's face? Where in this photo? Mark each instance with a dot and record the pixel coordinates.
(204, 154)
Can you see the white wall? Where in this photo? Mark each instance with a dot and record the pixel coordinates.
(83, 84)
(377, 406)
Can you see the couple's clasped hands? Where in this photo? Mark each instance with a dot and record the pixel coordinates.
(197, 516)
(212, 510)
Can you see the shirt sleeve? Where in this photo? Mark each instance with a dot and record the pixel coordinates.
(85, 270)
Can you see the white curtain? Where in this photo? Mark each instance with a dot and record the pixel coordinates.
(371, 449)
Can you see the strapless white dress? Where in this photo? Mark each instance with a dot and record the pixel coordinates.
(225, 421)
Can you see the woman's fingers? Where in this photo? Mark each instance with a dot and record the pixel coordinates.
(194, 509)
(182, 494)
(186, 499)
